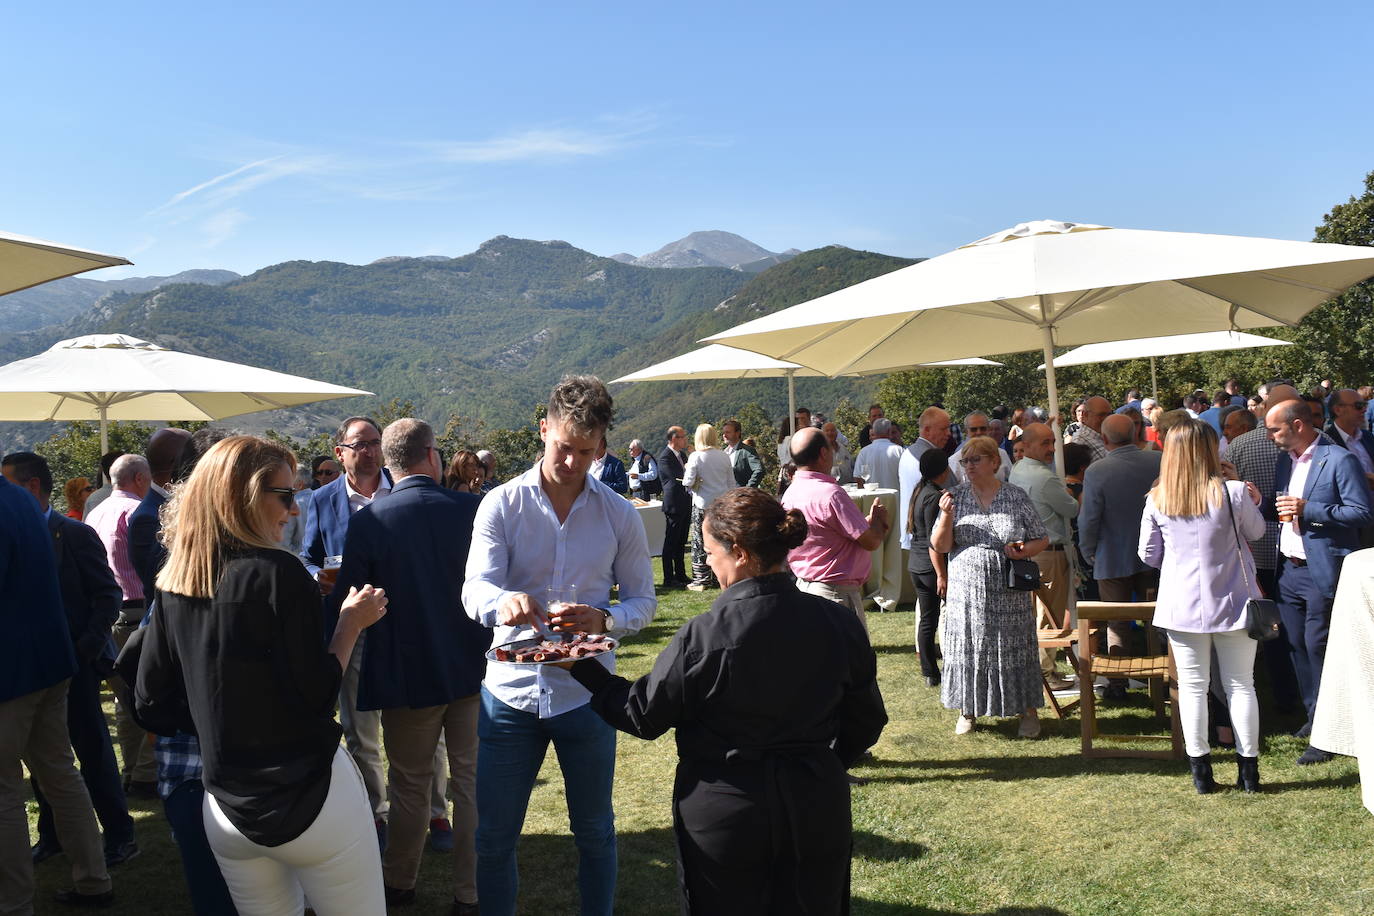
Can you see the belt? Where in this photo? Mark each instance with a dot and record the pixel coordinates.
(1294, 561)
(135, 602)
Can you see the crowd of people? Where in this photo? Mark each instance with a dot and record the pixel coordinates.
(251, 614)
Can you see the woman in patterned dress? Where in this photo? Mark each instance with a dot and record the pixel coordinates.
(992, 662)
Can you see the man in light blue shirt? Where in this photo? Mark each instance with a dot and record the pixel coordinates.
(554, 527)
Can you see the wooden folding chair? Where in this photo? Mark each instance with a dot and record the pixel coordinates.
(1051, 636)
(1157, 668)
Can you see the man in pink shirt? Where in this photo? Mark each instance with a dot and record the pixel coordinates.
(131, 478)
(833, 561)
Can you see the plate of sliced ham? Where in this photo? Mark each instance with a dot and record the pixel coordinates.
(538, 651)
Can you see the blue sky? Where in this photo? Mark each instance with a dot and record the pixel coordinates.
(242, 135)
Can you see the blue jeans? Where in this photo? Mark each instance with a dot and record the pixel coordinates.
(209, 894)
(510, 751)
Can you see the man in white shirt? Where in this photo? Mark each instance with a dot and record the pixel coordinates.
(934, 428)
(878, 461)
(553, 527)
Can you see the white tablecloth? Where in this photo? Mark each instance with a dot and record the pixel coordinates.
(652, 517)
(888, 582)
(1344, 723)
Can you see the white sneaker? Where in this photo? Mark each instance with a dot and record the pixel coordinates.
(964, 725)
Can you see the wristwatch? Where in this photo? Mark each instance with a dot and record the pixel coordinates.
(609, 618)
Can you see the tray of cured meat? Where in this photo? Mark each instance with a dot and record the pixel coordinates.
(537, 651)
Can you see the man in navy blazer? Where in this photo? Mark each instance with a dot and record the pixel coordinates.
(91, 599)
(1114, 491)
(36, 661)
(610, 470)
(1323, 489)
(1347, 430)
(677, 507)
(425, 659)
(358, 449)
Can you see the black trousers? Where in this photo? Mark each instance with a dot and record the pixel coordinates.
(90, 737)
(761, 839)
(676, 527)
(928, 603)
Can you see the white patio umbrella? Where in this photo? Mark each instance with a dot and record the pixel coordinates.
(721, 362)
(1046, 284)
(1172, 345)
(116, 377)
(26, 261)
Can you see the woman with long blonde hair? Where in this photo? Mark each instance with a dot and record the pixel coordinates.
(708, 474)
(234, 654)
(1196, 529)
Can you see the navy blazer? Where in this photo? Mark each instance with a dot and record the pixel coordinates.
(613, 474)
(145, 551)
(425, 651)
(90, 594)
(676, 499)
(1337, 508)
(326, 523)
(36, 652)
(1114, 490)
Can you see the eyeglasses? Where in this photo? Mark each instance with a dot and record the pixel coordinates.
(286, 495)
(371, 445)
(971, 460)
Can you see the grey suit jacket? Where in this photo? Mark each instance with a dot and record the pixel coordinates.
(1114, 490)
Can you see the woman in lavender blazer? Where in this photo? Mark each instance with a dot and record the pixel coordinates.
(1205, 579)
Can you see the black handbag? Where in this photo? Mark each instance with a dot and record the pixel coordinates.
(1023, 575)
(1262, 619)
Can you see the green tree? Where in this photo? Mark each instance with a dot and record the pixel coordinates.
(75, 451)
(305, 450)
(754, 423)
(1338, 337)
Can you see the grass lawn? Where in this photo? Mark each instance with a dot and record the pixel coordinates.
(984, 823)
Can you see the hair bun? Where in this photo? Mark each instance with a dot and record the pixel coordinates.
(792, 529)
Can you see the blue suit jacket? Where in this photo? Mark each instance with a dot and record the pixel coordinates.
(613, 474)
(145, 551)
(1338, 506)
(36, 652)
(1114, 491)
(426, 651)
(90, 594)
(326, 524)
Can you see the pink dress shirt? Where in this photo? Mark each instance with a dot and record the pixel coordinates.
(831, 552)
(110, 520)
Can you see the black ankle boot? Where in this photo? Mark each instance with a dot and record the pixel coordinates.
(1248, 777)
(1202, 774)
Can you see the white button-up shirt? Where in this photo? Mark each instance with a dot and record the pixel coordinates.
(1356, 447)
(357, 500)
(1290, 539)
(518, 545)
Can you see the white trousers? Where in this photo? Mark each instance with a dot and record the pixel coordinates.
(1236, 658)
(335, 862)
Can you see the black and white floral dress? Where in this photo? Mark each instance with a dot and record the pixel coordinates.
(992, 661)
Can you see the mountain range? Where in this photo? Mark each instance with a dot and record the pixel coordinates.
(483, 335)
(711, 249)
(61, 300)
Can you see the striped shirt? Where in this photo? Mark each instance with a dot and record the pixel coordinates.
(111, 521)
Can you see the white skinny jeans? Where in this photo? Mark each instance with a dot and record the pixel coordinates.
(335, 862)
(1236, 657)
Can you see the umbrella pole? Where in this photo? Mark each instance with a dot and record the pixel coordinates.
(792, 398)
(1047, 334)
(1154, 380)
(104, 430)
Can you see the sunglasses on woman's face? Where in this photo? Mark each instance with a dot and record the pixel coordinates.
(286, 495)
(971, 460)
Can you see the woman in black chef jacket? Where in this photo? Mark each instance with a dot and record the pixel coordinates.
(774, 694)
